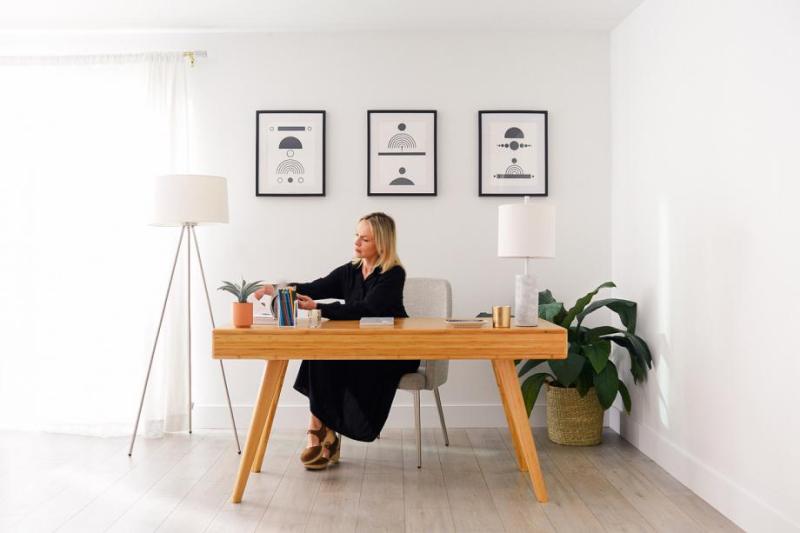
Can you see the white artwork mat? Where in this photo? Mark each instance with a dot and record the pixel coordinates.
(290, 153)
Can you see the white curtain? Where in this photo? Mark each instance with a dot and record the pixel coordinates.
(82, 275)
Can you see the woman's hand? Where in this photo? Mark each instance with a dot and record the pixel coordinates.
(266, 289)
(304, 302)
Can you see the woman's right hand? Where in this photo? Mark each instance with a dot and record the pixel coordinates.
(268, 289)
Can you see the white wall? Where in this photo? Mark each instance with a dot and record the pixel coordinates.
(452, 235)
(705, 183)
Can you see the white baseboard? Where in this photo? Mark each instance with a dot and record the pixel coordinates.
(741, 506)
(401, 416)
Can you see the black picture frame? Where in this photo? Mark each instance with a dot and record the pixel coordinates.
(258, 188)
(370, 188)
(481, 155)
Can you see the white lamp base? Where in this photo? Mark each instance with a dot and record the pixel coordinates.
(526, 301)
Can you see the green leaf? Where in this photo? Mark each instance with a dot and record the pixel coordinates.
(567, 370)
(530, 365)
(546, 297)
(625, 309)
(639, 353)
(228, 289)
(549, 311)
(585, 380)
(530, 389)
(626, 397)
(582, 303)
(241, 292)
(598, 353)
(607, 385)
(596, 333)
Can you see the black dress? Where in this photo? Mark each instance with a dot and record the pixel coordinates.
(354, 397)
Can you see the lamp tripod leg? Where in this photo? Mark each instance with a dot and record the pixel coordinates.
(213, 325)
(189, 317)
(155, 342)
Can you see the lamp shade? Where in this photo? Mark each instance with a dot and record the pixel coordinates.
(190, 198)
(526, 230)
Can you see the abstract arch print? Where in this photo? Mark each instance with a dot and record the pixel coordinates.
(402, 153)
(513, 153)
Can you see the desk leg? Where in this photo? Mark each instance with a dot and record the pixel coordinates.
(509, 383)
(269, 383)
(514, 437)
(273, 405)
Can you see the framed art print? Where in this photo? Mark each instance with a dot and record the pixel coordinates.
(290, 153)
(512, 153)
(401, 153)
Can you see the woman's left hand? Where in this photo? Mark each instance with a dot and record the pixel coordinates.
(304, 302)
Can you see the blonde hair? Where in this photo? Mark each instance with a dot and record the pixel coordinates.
(383, 230)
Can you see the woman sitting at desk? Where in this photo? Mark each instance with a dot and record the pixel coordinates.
(352, 397)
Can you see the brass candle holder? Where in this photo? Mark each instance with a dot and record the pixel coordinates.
(501, 316)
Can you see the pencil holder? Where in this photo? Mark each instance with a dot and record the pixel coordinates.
(287, 307)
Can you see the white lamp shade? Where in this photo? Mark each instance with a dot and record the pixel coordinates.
(189, 198)
(526, 230)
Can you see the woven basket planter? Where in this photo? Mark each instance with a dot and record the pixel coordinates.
(573, 420)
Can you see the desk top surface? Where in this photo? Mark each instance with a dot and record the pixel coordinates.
(401, 326)
(409, 338)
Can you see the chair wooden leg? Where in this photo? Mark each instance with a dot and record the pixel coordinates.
(519, 416)
(441, 415)
(273, 406)
(418, 425)
(269, 388)
(514, 438)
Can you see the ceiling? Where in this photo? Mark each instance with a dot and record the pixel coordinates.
(313, 15)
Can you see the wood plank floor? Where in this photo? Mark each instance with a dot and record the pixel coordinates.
(182, 483)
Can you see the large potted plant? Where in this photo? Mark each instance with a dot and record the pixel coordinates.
(585, 384)
(242, 309)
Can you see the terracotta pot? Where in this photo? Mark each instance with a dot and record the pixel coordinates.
(242, 314)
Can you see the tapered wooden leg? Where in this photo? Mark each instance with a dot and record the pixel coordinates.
(514, 437)
(269, 383)
(509, 383)
(273, 405)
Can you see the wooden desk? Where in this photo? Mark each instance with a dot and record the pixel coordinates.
(409, 338)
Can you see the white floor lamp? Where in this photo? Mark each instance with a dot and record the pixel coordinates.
(186, 201)
(526, 230)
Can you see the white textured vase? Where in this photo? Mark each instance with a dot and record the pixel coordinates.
(526, 301)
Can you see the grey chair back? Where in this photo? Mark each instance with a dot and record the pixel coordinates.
(428, 297)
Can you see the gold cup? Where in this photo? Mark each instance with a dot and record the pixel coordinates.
(501, 316)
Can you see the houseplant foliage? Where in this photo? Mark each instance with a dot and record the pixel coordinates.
(243, 291)
(587, 364)
(242, 309)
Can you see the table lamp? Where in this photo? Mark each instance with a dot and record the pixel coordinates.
(187, 200)
(526, 230)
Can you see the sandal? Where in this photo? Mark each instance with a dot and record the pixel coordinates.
(335, 448)
(322, 462)
(313, 453)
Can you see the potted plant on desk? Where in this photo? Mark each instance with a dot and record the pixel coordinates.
(242, 309)
(582, 386)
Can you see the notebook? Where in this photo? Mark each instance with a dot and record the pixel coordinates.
(465, 322)
(373, 321)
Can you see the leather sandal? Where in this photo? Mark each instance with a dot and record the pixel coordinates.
(313, 453)
(335, 448)
(321, 462)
